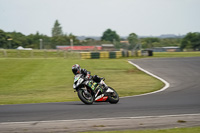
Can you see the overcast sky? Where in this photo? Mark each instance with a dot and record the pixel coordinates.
(93, 17)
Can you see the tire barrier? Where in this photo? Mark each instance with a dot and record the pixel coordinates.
(105, 55)
(112, 55)
(145, 53)
(85, 55)
(95, 55)
(118, 54)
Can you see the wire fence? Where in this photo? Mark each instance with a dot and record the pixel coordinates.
(5, 53)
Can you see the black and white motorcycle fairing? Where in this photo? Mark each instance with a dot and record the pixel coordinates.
(90, 91)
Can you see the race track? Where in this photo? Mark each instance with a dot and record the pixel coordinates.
(182, 97)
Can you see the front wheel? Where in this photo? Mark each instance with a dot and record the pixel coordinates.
(114, 97)
(85, 98)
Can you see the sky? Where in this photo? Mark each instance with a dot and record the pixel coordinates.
(93, 17)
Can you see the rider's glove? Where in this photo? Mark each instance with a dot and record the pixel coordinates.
(87, 76)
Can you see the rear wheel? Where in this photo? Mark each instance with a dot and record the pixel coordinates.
(85, 98)
(114, 97)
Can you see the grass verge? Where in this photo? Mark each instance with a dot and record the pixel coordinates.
(176, 54)
(50, 80)
(174, 130)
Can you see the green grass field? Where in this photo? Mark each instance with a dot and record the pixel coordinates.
(174, 130)
(51, 80)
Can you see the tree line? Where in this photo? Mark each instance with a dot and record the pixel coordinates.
(12, 40)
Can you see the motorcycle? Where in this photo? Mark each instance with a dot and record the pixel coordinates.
(90, 91)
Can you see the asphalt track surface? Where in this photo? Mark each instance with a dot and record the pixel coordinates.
(182, 97)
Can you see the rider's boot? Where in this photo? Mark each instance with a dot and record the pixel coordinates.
(105, 87)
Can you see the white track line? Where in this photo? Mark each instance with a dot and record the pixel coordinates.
(164, 81)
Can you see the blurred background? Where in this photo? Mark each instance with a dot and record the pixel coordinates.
(95, 25)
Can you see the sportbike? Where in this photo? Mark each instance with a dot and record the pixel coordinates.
(90, 91)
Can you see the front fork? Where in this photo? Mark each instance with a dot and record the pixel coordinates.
(86, 91)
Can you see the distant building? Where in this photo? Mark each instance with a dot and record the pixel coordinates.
(80, 48)
(103, 47)
(166, 49)
(108, 47)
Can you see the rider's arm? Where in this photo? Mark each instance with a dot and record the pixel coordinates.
(86, 73)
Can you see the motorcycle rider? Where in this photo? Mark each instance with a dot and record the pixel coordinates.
(76, 69)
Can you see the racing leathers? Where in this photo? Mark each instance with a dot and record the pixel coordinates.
(96, 78)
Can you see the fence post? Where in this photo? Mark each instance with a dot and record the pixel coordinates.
(18, 53)
(65, 54)
(45, 52)
(31, 53)
(57, 53)
(5, 53)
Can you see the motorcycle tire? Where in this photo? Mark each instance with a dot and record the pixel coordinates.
(84, 98)
(113, 99)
